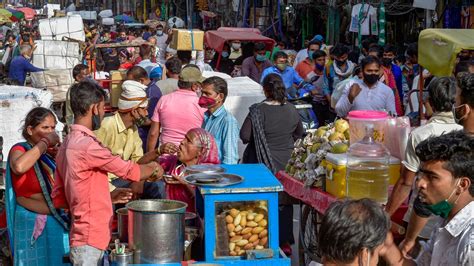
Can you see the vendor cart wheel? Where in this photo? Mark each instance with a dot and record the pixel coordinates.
(308, 239)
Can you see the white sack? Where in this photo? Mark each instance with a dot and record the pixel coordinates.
(108, 21)
(56, 28)
(56, 81)
(15, 103)
(56, 54)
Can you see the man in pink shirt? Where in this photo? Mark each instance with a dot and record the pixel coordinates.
(178, 112)
(81, 177)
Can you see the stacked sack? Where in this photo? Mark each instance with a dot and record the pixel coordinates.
(57, 57)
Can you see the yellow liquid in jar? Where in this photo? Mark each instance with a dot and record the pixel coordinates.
(368, 180)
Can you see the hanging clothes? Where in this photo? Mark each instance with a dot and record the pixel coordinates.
(382, 24)
(364, 15)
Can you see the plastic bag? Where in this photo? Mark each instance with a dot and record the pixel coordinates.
(396, 136)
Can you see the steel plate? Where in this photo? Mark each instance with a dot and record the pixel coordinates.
(213, 180)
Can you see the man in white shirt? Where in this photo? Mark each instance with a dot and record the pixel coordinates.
(161, 43)
(441, 97)
(446, 189)
(369, 94)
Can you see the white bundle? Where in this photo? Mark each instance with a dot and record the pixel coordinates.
(57, 28)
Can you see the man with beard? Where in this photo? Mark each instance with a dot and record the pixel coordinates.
(368, 94)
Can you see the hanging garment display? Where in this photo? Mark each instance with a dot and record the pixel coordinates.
(425, 4)
(365, 16)
(382, 24)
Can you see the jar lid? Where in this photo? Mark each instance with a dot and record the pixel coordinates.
(368, 114)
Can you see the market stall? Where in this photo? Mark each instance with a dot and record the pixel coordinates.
(358, 158)
(237, 216)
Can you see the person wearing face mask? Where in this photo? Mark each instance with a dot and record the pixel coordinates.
(120, 133)
(295, 86)
(81, 181)
(386, 76)
(137, 76)
(80, 73)
(179, 111)
(161, 43)
(368, 94)
(225, 64)
(352, 233)
(218, 121)
(321, 106)
(446, 189)
(441, 97)
(389, 55)
(235, 51)
(461, 110)
(306, 67)
(21, 66)
(253, 67)
(340, 69)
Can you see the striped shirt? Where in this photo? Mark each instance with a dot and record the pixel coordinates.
(225, 129)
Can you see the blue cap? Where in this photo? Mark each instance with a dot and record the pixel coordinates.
(156, 72)
(318, 38)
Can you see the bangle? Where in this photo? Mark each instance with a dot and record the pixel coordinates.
(158, 151)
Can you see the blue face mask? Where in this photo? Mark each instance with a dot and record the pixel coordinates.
(225, 54)
(260, 58)
(310, 55)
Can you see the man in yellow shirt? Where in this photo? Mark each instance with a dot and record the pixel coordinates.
(119, 133)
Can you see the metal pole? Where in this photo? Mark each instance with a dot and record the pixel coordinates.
(188, 15)
(420, 93)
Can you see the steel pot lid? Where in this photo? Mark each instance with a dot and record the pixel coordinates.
(157, 206)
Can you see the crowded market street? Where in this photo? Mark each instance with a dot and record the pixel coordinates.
(211, 132)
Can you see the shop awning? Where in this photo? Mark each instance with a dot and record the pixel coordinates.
(215, 39)
(438, 48)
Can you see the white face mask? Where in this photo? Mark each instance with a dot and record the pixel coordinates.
(159, 32)
(236, 46)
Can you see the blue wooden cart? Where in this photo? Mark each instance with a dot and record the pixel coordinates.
(259, 185)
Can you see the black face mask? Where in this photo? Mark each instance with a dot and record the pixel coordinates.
(95, 122)
(371, 79)
(386, 62)
(340, 63)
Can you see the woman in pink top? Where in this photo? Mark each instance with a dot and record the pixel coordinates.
(198, 147)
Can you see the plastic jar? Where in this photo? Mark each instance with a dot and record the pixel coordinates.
(358, 120)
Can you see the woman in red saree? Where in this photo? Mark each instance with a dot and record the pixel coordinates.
(197, 147)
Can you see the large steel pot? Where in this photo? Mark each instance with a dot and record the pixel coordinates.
(156, 230)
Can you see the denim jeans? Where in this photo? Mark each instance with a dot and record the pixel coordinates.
(86, 256)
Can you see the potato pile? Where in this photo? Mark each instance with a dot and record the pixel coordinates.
(247, 230)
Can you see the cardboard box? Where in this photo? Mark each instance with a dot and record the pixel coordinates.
(183, 40)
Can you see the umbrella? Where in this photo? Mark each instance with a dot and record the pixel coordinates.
(16, 15)
(124, 18)
(5, 13)
(29, 12)
(4, 19)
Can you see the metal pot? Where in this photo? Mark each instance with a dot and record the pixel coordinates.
(156, 230)
(122, 218)
(121, 259)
